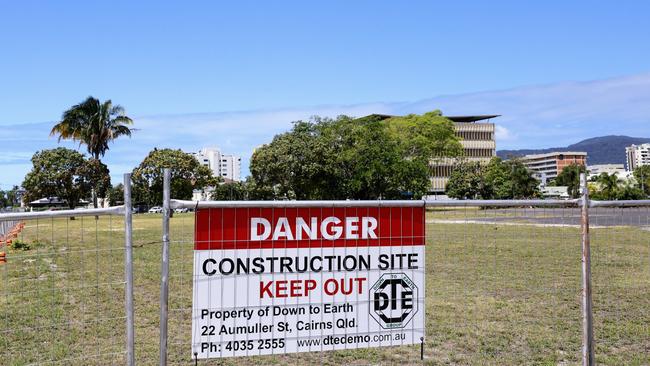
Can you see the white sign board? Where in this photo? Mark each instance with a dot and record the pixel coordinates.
(284, 280)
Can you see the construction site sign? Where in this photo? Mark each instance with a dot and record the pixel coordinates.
(305, 279)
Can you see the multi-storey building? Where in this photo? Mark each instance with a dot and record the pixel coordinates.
(478, 144)
(547, 166)
(611, 169)
(637, 155)
(227, 166)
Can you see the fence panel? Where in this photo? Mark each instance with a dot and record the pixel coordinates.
(503, 288)
(505, 285)
(62, 290)
(620, 239)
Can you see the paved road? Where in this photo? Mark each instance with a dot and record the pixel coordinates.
(569, 216)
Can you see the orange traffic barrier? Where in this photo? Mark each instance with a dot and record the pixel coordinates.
(3, 257)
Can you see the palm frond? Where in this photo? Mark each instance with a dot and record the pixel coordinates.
(93, 123)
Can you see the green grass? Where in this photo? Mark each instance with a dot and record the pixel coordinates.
(496, 295)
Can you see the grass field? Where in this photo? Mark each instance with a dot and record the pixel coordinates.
(496, 295)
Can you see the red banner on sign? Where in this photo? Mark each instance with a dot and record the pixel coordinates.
(254, 228)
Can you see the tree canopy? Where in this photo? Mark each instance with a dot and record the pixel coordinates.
(64, 173)
(116, 195)
(570, 177)
(467, 181)
(496, 180)
(235, 191)
(187, 174)
(4, 200)
(642, 177)
(347, 158)
(95, 124)
(9, 198)
(611, 187)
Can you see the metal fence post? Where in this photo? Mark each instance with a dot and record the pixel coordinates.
(588, 355)
(128, 268)
(164, 285)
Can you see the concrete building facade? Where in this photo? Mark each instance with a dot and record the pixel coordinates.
(547, 166)
(637, 155)
(226, 166)
(611, 169)
(476, 135)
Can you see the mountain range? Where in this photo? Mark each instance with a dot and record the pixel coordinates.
(600, 150)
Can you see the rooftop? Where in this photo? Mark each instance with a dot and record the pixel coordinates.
(554, 153)
(475, 118)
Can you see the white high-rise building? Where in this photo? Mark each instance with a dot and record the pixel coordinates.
(226, 166)
(637, 155)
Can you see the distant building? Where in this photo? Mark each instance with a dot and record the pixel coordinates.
(226, 166)
(202, 194)
(478, 144)
(547, 166)
(616, 169)
(556, 192)
(637, 155)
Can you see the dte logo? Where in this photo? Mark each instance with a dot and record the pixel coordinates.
(393, 300)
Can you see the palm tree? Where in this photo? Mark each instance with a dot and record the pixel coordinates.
(609, 185)
(94, 124)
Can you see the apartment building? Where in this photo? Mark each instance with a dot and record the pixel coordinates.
(637, 155)
(227, 166)
(547, 166)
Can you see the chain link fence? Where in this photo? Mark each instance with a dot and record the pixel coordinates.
(503, 287)
(62, 289)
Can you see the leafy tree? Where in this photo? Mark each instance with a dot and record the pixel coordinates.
(116, 195)
(296, 164)
(99, 176)
(8, 198)
(367, 161)
(62, 173)
(259, 192)
(608, 184)
(570, 177)
(498, 184)
(642, 176)
(629, 191)
(425, 136)
(496, 180)
(187, 174)
(13, 198)
(524, 185)
(95, 124)
(346, 158)
(467, 182)
(235, 191)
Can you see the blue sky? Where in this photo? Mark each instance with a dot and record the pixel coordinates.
(234, 74)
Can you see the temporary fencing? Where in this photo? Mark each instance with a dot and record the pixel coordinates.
(507, 283)
(62, 288)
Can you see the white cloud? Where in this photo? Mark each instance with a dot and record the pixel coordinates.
(531, 116)
(502, 133)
